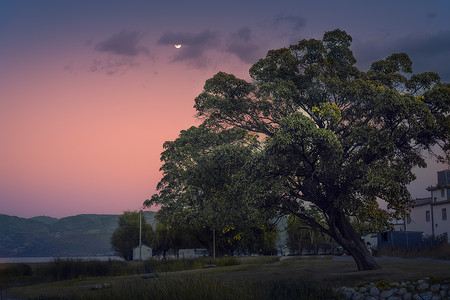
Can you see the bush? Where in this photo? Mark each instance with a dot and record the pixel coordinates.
(440, 252)
(16, 270)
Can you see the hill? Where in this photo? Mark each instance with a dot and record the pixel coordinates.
(81, 235)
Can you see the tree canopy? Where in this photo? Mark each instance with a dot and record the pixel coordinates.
(311, 136)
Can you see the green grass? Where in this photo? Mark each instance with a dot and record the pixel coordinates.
(180, 287)
(247, 278)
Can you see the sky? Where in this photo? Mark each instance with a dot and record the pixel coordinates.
(90, 90)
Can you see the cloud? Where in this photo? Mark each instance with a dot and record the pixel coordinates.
(241, 44)
(428, 52)
(297, 23)
(194, 46)
(431, 16)
(113, 66)
(427, 45)
(124, 43)
(123, 51)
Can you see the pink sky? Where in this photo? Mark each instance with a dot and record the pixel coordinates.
(88, 95)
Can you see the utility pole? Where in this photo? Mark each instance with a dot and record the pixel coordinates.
(140, 234)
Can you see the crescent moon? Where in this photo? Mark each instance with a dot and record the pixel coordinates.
(178, 46)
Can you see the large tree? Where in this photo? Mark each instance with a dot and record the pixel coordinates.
(200, 189)
(333, 139)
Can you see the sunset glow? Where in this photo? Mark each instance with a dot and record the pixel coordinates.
(90, 94)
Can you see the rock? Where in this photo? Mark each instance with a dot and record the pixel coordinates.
(402, 291)
(445, 287)
(362, 289)
(357, 296)
(106, 285)
(394, 298)
(149, 275)
(436, 297)
(348, 295)
(423, 286)
(424, 296)
(407, 296)
(386, 294)
(420, 281)
(443, 293)
(435, 288)
(417, 297)
(374, 291)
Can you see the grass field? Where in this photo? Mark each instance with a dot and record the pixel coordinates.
(254, 278)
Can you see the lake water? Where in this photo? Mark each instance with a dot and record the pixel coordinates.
(6, 260)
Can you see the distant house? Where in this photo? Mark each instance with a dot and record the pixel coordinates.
(400, 239)
(427, 219)
(143, 252)
(430, 215)
(382, 239)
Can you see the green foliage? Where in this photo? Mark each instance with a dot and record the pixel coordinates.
(202, 172)
(169, 238)
(311, 131)
(15, 270)
(126, 236)
(304, 239)
(383, 285)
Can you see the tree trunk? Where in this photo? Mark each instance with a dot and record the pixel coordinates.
(346, 236)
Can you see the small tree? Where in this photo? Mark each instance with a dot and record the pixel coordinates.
(126, 236)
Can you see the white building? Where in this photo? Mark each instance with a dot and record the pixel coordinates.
(142, 252)
(192, 253)
(430, 215)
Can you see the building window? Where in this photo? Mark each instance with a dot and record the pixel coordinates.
(442, 193)
(427, 216)
(444, 214)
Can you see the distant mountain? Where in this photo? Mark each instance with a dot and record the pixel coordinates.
(44, 219)
(81, 235)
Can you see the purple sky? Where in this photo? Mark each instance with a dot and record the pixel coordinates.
(90, 90)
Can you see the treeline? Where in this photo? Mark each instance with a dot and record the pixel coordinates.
(167, 239)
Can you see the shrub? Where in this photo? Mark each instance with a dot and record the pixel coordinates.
(16, 270)
(440, 252)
